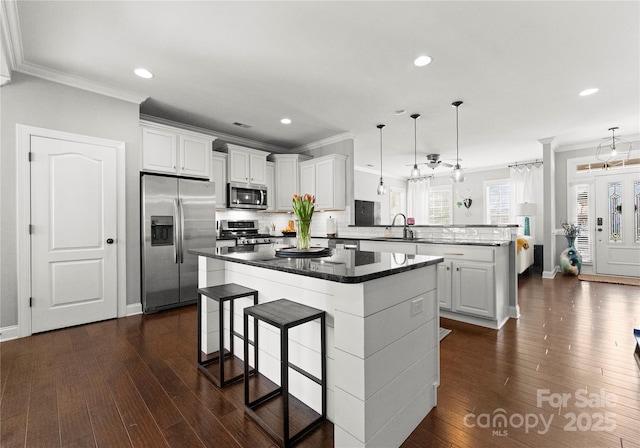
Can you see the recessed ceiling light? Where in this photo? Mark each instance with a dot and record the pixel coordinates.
(421, 61)
(286, 121)
(588, 92)
(399, 112)
(143, 73)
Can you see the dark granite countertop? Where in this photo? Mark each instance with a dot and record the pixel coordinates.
(440, 226)
(343, 265)
(459, 241)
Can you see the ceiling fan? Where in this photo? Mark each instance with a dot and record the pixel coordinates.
(434, 161)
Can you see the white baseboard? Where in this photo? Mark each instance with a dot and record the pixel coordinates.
(133, 309)
(8, 333)
(12, 332)
(514, 311)
(550, 274)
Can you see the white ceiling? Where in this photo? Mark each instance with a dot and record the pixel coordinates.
(344, 67)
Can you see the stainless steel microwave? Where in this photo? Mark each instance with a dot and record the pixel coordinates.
(246, 196)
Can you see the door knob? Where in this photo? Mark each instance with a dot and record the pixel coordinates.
(109, 240)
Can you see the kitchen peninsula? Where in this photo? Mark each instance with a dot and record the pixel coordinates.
(382, 332)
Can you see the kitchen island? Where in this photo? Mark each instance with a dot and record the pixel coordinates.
(382, 332)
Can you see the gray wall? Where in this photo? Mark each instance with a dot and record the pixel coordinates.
(36, 102)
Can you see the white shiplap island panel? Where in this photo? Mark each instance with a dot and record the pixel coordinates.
(382, 336)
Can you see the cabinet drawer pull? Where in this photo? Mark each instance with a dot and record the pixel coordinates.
(452, 253)
(448, 268)
(457, 269)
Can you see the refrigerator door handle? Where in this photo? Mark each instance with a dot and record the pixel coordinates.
(177, 233)
(180, 203)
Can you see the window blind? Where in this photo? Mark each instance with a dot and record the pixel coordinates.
(580, 208)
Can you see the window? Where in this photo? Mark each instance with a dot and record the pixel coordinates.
(579, 209)
(497, 200)
(440, 205)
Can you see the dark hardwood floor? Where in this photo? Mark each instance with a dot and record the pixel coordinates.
(134, 381)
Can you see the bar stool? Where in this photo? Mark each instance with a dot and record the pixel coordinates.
(223, 293)
(284, 314)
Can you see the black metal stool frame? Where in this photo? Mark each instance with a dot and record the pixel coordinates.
(283, 390)
(221, 298)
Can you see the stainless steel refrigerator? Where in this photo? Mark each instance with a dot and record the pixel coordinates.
(177, 215)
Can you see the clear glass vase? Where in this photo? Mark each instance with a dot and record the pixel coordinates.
(303, 233)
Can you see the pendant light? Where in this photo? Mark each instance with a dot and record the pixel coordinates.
(415, 172)
(457, 175)
(613, 152)
(381, 188)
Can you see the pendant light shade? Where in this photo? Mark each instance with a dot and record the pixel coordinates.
(381, 188)
(457, 175)
(613, 152)
(415, 172)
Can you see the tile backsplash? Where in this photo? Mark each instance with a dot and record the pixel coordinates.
(281, 220)
(342, 218)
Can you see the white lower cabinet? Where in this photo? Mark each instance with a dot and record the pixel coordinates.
(473, 282)
(472, 288)
(444, 285)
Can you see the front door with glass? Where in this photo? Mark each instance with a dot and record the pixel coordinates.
(618, 224)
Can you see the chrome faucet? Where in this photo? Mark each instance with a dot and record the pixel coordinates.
(407, 233)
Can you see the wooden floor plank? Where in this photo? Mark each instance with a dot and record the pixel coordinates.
(108, 427)
(134, 381)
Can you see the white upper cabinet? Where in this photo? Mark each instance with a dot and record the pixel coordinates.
(246, 165)
(175, 151)
(325, 178)
(219, 177)
(271, 186)
(287, 181)
(194, 156)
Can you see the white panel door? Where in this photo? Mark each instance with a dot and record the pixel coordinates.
(73, 241)
(617, 224)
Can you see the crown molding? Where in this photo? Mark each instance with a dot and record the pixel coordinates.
(7, 58)
(79, 82)
(552, 141)
(12, 53)
(227, 138)
(366, 169)
(12, 42)
(325, 142)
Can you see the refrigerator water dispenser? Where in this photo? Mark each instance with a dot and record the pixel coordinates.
(162, 230)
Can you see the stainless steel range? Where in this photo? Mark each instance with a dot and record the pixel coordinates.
(247, 232)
